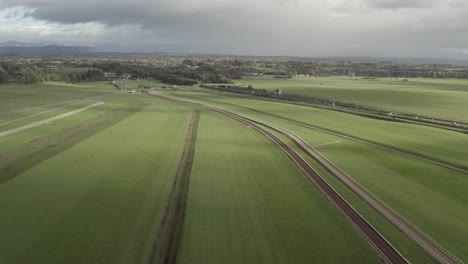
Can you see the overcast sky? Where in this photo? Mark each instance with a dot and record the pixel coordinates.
(384, 28)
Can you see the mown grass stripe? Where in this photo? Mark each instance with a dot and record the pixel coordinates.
(25, 156)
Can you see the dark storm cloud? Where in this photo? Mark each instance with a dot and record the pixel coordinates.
(395, 4)
(116, 12)
(264, 27)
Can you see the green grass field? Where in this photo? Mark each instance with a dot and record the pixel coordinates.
(100, 200)
(93, 187)
(429, 97)
(433, 142)
(403, 243)
(14, 97)
(248, 203)
(23, 118)
(432, 197)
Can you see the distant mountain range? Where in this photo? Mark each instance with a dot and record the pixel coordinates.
(23, 44)
(44, 49)
(39, 49)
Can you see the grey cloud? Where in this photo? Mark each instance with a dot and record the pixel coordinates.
(396, 4)
(263, 27)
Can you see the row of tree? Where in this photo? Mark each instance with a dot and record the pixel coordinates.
(10, 73)
(413, 74)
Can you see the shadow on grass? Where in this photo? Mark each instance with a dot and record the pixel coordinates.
(25, 156)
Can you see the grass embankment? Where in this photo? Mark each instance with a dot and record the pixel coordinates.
(248, 203)
(429, 97)
(100, 200)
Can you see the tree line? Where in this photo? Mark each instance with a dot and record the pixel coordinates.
(10, 73)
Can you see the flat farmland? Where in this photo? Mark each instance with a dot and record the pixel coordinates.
(248, 203)
(100, 199)
(429, 97)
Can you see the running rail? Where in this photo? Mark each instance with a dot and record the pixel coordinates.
(428, 244)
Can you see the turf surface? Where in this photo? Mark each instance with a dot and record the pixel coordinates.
(248, 203)
(444, 98)
(98, 201)
(431, 197)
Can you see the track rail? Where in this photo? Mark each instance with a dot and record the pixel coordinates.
(377, 241)
(428, 244)
(414, 155)
(419, 237)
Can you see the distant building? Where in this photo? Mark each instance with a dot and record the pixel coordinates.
(110, 75)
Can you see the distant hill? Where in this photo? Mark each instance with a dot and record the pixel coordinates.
(13, 43)
(19, 49)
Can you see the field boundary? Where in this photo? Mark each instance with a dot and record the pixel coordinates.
(170, 229)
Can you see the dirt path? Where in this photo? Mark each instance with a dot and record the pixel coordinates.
(441, 163)
(431, 247)
(60, 103)
(170, 229)
(48, 120)
(40, 113)
(381, 246)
